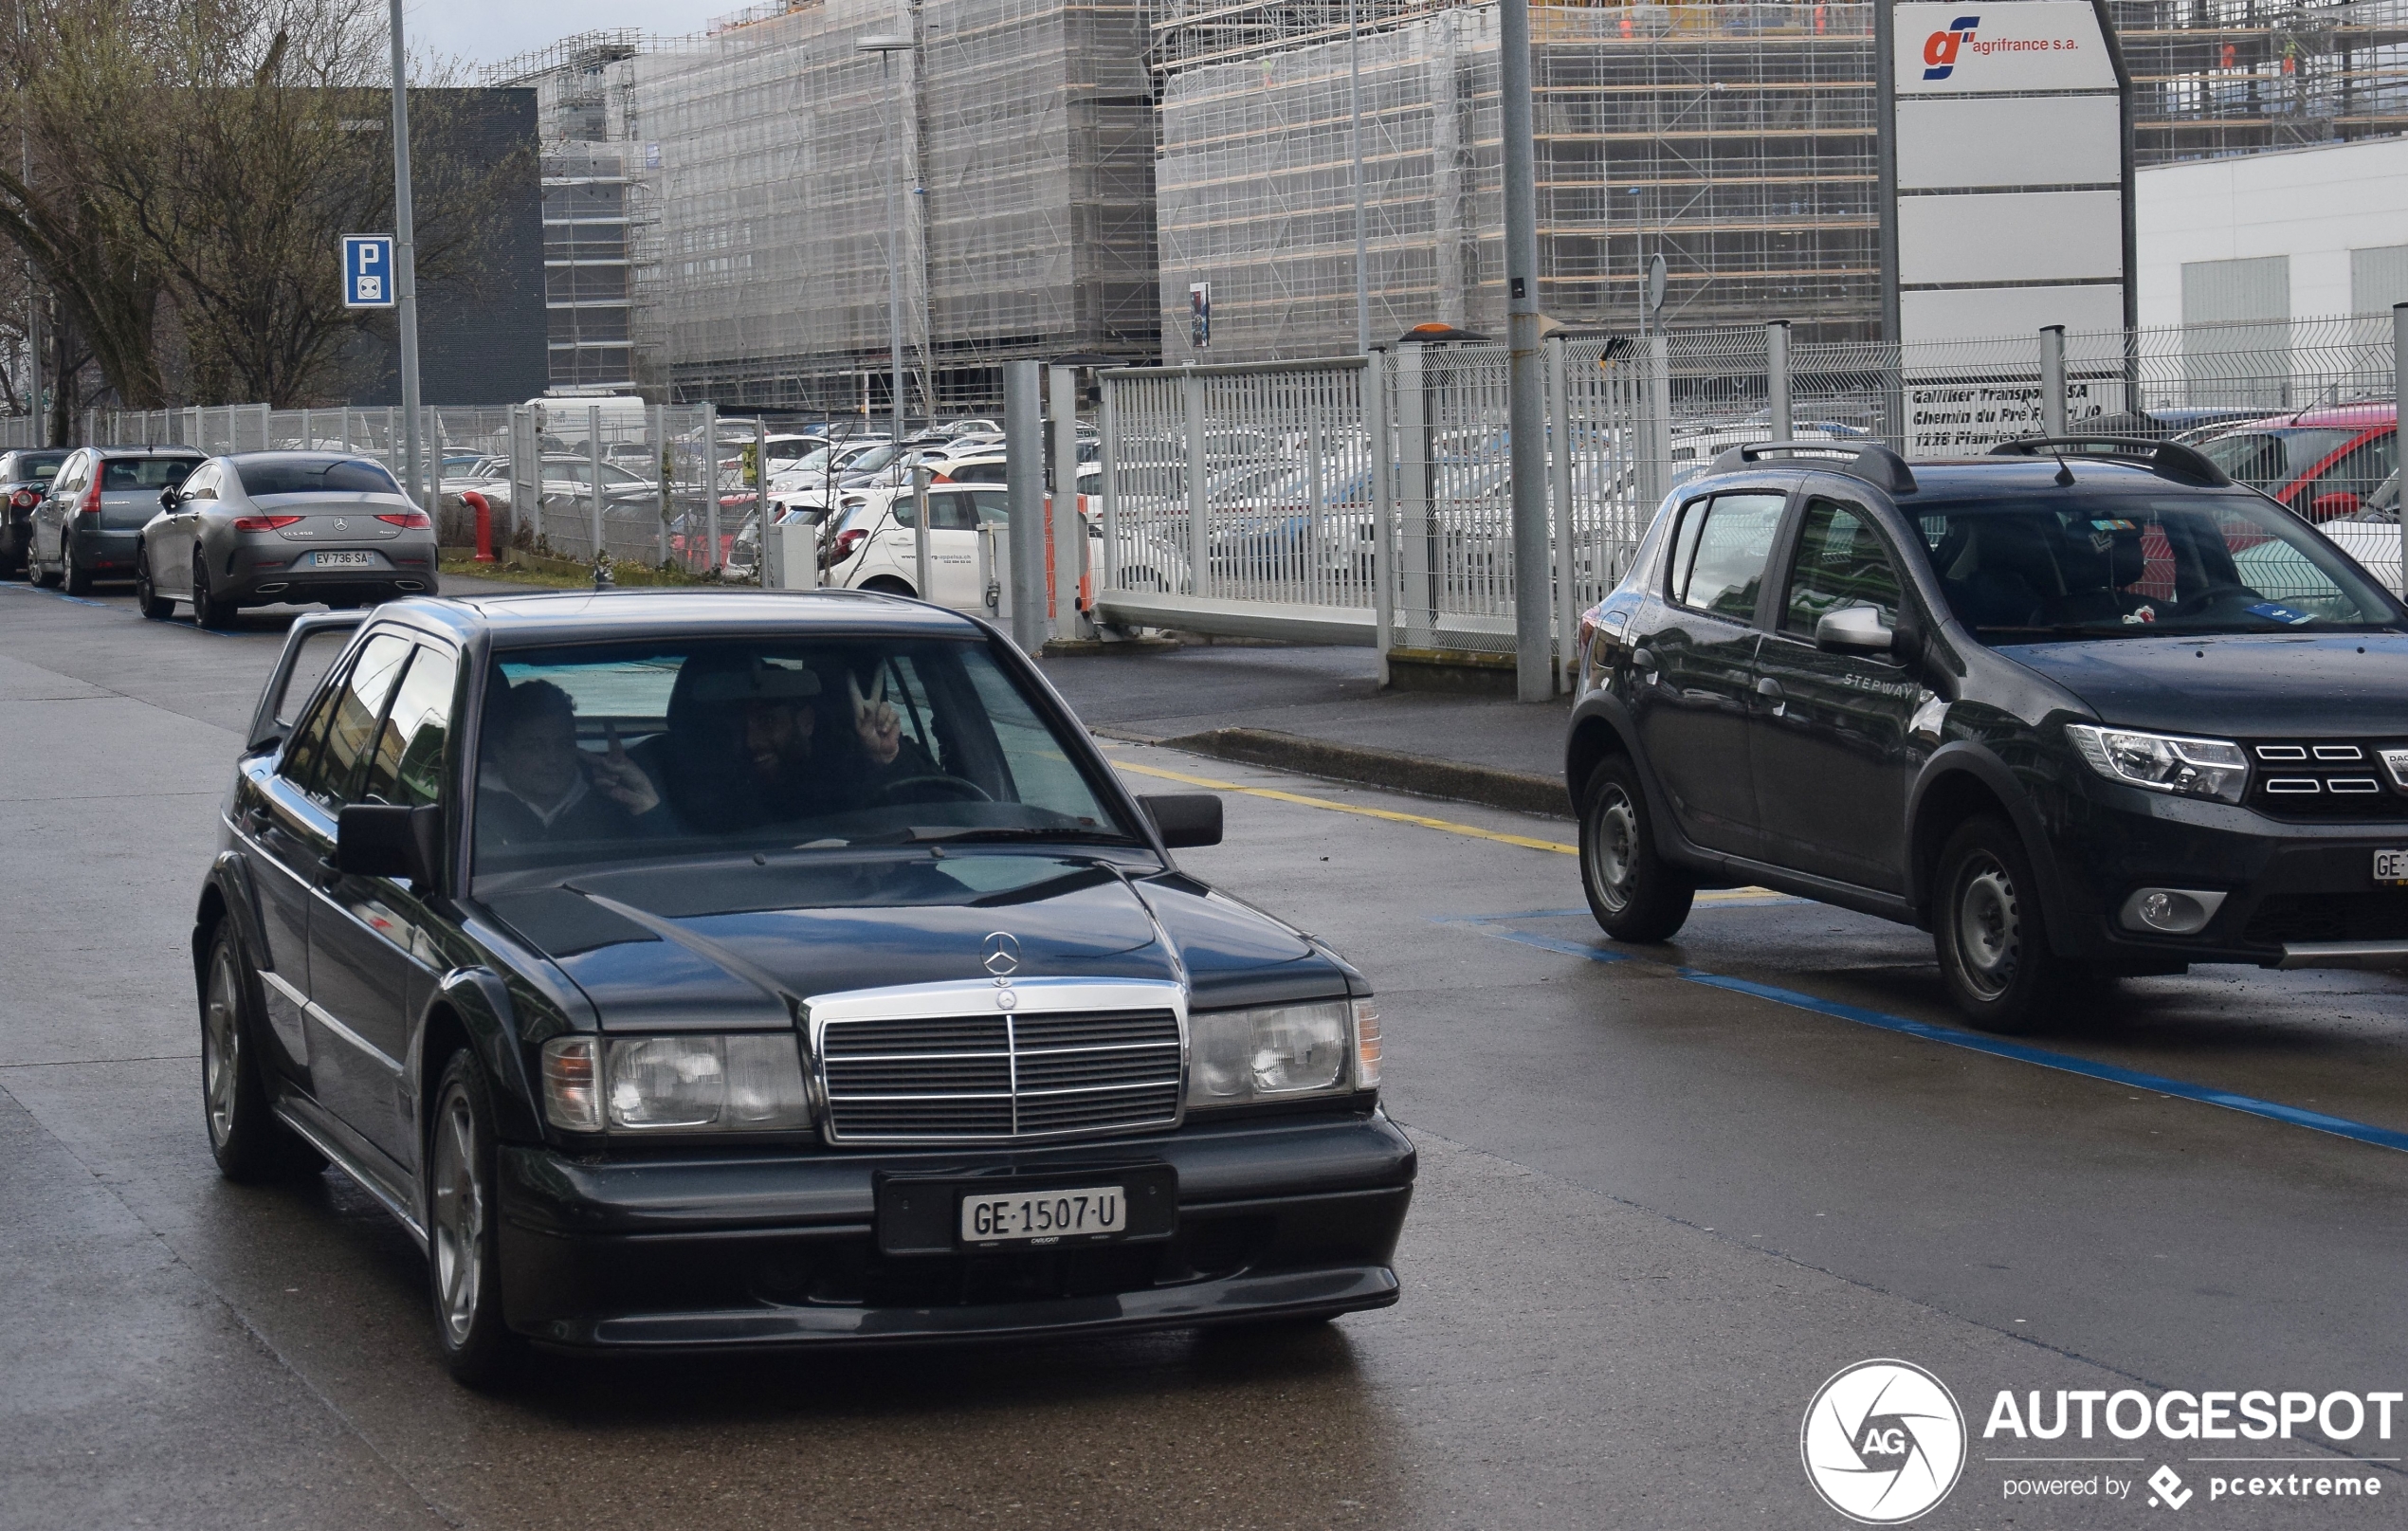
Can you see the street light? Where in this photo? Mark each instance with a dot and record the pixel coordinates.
(406, 273)
(887, 44)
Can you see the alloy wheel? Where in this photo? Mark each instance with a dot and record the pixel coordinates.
(221, 1047)
(458, 1216)
(1988, 926)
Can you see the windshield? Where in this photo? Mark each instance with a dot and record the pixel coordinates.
(2267, 459)
(2043, 566)
(348, 475)
(38, 466)
(874, 459)
(592, 755)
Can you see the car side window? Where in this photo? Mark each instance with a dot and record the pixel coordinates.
(407, 769)
(351, 726)
(203, 484)
(308, 738)
(1718, 565)
(994, 506)
(952, 513)
(1840, 563)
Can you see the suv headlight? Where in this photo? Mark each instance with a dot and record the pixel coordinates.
(751, 1082)
(1281, 1052)
(2164, 763)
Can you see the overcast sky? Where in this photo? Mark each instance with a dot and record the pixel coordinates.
(486, 31)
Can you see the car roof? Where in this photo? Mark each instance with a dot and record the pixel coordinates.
(158, 449)
(1967, 478)
(2354, 416)
(545, 617)
(238, 459)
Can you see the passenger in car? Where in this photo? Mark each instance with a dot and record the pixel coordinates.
(538, 785)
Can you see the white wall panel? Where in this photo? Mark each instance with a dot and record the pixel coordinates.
(2043, 140)
(2009, 312)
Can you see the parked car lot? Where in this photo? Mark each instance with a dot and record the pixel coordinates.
(2076, 709)
(24, 478)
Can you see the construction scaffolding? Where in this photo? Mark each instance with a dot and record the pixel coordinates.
(2224, 77)
(1736, 141)
(586, 257)
(1018, 134)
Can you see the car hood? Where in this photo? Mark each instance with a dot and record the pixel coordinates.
(2249, 686)
(693, 947)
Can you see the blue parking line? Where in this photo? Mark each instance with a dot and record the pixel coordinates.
(99, 606)
(1950, 1036)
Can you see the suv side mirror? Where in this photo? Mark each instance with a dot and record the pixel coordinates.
(1185, 818)
(372, 840)
(1856, 629)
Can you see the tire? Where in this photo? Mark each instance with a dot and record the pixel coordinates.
(1988, 930)
(78, 581)
(247, 1141)
(887, 585)
(207, 611)
(42, 576)
(146, 598)
(462, 1255)
(1634, 894)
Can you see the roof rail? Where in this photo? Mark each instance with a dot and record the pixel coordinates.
(2157, 456)
(1869, 461)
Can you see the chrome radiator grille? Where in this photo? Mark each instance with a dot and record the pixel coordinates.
(972, 1078)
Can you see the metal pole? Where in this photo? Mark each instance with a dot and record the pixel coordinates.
(1374, 404)
(2052, 379)
(710, 485)
(593, 462)
(1362, 243)
(1198, 508)
(1110, 424)
(1069, 527)
(1776, 379)
(2400, 399)
(921, 578)
(655, 447)
(405, 264)
(1024, 484)
(894, 270)
(761, 488)
(1567, 593)
(1525, 407)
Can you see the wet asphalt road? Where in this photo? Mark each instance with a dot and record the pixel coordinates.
(1655, 1213)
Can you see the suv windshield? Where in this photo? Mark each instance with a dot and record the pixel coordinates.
(595, 756)
(2021, 568)
(342, 475)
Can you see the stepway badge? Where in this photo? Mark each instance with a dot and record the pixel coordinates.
(368, 271)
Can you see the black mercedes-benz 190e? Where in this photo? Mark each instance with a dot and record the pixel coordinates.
(724, 970)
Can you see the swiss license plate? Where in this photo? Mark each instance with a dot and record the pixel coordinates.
(2391, 865)
(1044, 1216)
(345, 560)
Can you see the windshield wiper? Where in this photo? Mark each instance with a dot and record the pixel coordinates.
(957, 834)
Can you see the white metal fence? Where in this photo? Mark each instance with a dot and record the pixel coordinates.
(1369, 499)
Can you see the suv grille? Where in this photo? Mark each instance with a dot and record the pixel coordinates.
(2323, 778)
(977, 1078)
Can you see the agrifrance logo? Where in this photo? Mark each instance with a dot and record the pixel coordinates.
(1883, 1442)
(1939, 48)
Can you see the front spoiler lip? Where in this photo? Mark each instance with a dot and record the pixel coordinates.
(1232, 1299)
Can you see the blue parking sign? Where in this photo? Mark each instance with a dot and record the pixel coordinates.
(368, 270)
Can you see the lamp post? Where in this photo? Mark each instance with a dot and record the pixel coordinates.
(405, 271)
(887, 44)
(1355, 111)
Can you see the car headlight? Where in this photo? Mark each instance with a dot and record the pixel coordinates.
(751, 1082)
(2164, 763)
(1281, 1052)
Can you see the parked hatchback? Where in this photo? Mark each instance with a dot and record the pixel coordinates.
(2081, 708)
(259, 528)
(88, 524)
(24, 478)
(692, 971)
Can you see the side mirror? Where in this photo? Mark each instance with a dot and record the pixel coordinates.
(372, 840)
(1185, 818)
(170, 499)
(2338, 506)
(1856, 629)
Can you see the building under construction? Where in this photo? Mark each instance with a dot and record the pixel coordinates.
(1008, 143)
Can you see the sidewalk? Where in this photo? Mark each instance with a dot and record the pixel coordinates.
(1319, 711)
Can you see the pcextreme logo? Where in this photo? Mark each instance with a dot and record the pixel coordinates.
(1939, 48)
(1883, 1442)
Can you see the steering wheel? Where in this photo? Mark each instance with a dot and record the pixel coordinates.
(967, 791)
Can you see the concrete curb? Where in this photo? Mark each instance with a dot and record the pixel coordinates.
(1516, 790)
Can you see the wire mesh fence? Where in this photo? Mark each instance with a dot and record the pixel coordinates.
(1304, 485)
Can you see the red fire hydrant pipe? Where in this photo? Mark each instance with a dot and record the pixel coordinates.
(485, 524)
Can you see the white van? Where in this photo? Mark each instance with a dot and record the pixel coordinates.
(567, 418)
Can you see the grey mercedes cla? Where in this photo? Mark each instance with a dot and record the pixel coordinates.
(261, 527)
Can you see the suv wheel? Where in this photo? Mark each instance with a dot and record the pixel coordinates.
(146, 596)
(1986, 924)
(462, 1221)
(1633, 893)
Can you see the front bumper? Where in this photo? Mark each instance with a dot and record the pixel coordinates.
(2298, 893)
(1278, 1216)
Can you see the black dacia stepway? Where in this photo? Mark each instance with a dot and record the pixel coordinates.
(2081, 707)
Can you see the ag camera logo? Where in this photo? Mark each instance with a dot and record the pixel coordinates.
(1939, 48)
(1883, 1441)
